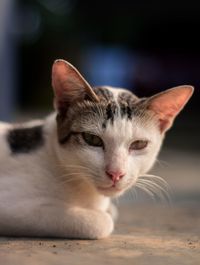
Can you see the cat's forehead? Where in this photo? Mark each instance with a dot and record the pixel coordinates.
(118, 102)
(122, 130)
(117, 114)
(115, 94)
(116, 106)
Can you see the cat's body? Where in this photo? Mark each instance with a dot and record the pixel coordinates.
(57, 175)
(32, 181)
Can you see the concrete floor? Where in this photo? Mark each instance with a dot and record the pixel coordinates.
(147, 232)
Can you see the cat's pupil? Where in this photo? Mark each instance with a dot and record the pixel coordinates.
(138, 145)
(92, 139)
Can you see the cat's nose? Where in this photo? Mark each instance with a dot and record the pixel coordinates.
(115, 175)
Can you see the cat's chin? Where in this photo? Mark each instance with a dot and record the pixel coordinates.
(111, 191)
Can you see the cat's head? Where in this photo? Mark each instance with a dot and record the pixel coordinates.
(108, 136)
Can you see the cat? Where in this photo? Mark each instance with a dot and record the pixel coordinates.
(57, 175)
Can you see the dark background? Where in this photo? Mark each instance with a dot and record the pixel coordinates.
(146, 46)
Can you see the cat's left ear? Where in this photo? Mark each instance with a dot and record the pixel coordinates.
(167, 105)
(69, 86)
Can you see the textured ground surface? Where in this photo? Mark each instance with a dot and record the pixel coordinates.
(146, 233)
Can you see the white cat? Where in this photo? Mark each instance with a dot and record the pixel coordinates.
(57, 175)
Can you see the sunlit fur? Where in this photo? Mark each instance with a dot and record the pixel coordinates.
(36, 189)
(61, 190)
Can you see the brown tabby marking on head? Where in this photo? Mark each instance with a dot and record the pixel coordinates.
(127, 102)
(103, 93)
(87, 113)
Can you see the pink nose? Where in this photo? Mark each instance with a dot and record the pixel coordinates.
(115, 175)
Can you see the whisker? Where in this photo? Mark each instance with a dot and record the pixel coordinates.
(152, 195)
(157, 178)
(77, 176)
(156, 189)
(133, 193)
(162, 162)
(155, 185)
(129, 194)
(78, 167)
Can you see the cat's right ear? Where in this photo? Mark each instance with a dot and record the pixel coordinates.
(69, 86)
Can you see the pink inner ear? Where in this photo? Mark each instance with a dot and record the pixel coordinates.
(69, 85)
(63, 79)
(58, 74)
(168, 104)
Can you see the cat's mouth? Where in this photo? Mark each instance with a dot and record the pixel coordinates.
(112, 187)
(112, 190)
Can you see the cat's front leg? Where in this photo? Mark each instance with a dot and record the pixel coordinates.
(112, 210)
(56, 220)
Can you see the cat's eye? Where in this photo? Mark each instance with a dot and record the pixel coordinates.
(138, 145)
(92, 139)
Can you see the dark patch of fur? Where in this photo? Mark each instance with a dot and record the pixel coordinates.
(127, 102)
(111, 111)
(25, 140)
(103, 93)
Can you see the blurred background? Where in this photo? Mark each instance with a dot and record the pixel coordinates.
(145, 46)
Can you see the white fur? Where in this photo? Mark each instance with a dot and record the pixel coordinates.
(64, 192)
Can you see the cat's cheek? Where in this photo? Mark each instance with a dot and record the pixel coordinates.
(133, 168)
(95, 156)
(93, 159)
(146, 162)
(139, 164)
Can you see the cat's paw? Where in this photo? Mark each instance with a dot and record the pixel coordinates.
(103, 227)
